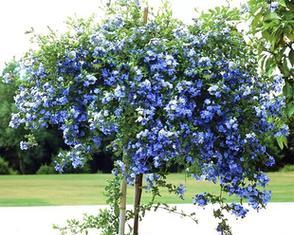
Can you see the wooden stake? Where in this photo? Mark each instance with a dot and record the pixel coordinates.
(146, 15)
(122, 207)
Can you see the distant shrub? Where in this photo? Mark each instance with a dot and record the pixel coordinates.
(287, 168)
(49, 169)
(4, 167)
(69, 169)
(46, 170)
(13, 172)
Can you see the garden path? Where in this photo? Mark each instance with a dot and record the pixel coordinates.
(276, 220)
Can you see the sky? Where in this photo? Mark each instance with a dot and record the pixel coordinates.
(18, 16)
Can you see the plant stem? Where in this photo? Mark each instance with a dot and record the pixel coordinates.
(137, 202)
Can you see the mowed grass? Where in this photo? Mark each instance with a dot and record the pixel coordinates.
(87, 189)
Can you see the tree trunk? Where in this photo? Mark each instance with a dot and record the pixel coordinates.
(20, 163)
(122, 206)
(139, 178)
(137, 202)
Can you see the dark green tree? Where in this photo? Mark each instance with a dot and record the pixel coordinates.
(26, 162)
(272, 30)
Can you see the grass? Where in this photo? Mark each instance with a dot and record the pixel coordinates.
(87, 189)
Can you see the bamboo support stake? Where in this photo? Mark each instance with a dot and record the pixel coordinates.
(146, 15)
(122, 206)
(123, 199)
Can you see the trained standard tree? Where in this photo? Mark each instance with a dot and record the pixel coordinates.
(161, 93)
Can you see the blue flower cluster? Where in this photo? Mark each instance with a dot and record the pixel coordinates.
(239, 210)
(159, 97)
(200, 199)
(274, 6)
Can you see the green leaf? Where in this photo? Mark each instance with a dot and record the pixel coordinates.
(282, 3)
(291, 57)
(287, 90)
(282, 141)
(290, 110)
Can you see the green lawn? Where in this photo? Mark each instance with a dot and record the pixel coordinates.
(85, 189)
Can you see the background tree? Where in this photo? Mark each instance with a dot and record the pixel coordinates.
(49, 143)
(272, 27)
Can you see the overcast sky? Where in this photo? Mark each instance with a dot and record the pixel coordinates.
(17, 16)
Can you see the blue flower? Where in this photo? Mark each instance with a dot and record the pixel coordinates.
(181, 191)
(119, 92)
(239, 210)
(262, 179)
(274, 6)
(205, 62)
(284, 131)
(97, 141)
(24, 145)
(200, 199)
(214, 90)
(89, 80)
(72, 55)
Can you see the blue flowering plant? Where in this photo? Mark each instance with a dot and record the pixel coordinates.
(160, 93)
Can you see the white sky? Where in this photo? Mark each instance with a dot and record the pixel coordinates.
(17, 16)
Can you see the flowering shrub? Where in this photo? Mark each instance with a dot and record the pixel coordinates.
(161, 92)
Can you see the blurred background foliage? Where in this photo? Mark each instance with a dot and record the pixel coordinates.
(271, 32)
(39, 159)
